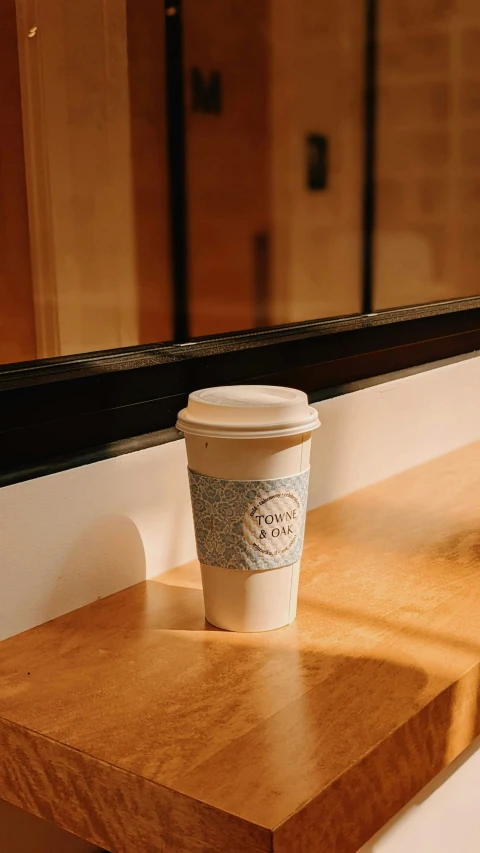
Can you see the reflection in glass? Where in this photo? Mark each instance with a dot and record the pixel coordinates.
(83, 95)
(266, 244)
(273, 214)
(428, 152)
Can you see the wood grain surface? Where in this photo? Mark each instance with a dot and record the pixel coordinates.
(21, 832)
(137, 726)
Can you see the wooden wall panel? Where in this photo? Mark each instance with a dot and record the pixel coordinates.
(75, 65)
(17, 321)
(428, 165)
(289, 70)
(227, 162)
(146, 68)
(317, 87)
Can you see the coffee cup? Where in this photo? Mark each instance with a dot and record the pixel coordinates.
(248, 449)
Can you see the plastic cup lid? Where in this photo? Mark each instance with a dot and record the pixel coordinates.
(247, 411)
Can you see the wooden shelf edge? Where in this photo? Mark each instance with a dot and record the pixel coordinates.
(134, 725)
(109, 806)
(384, 780)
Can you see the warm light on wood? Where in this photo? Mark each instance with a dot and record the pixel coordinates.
(137, 726)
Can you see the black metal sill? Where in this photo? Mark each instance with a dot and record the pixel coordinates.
(57, 412)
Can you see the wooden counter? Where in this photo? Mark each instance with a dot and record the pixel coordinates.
(133, 724)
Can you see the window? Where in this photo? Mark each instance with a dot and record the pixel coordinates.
(207, 192)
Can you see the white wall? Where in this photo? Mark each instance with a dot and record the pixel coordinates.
(375, 433)
(72, 537)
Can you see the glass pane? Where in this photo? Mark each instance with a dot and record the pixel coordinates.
(326, 159)
(274, 108)
(84, 256)
(427, 245)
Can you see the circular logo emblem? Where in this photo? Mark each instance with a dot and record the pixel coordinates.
(272, 524)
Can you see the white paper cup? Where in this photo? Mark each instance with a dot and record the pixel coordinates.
(248, 451)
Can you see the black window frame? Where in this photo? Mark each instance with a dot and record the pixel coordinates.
(61, 412)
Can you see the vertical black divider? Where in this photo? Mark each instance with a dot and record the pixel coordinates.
(370, 117)
(176, 158)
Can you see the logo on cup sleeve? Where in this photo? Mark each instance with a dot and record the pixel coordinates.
(273, 523)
